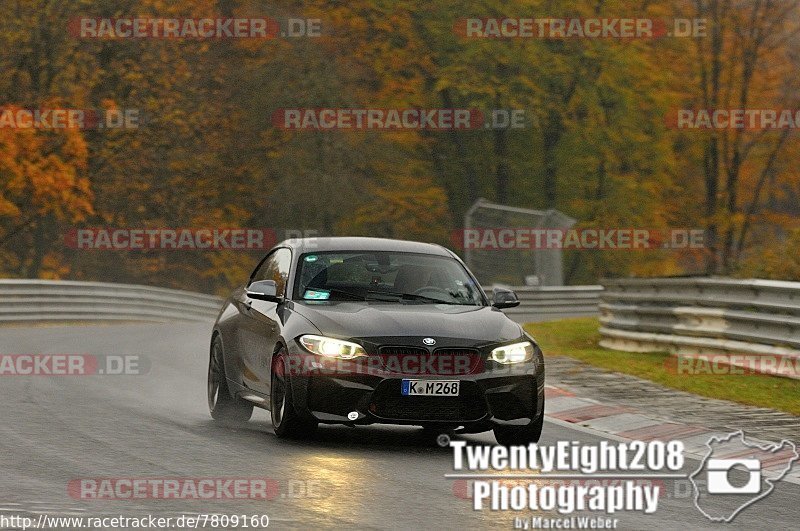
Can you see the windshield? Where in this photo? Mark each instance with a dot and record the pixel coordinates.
(385, 276)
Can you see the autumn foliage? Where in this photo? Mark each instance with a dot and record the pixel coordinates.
(596, 143)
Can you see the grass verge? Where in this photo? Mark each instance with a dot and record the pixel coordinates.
(578, 339)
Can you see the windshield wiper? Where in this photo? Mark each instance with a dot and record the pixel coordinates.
(403, 296)
(413, 296)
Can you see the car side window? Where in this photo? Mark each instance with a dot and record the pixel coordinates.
(275, 267)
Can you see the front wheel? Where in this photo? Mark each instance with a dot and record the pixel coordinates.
(222, 405)
(285, 420)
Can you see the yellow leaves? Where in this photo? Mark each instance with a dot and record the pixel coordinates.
(406, 208)
(8, 209)
(43, 171)
(54, 267)
(776, 259)
(75, 149)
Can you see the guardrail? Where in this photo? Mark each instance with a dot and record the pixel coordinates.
(553, 302)
(751, 324)
(61, 300)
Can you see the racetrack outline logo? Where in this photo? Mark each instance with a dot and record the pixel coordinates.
(714, 473)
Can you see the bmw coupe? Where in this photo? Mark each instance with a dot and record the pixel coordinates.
(358, 331)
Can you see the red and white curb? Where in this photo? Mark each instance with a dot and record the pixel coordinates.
(627, 424)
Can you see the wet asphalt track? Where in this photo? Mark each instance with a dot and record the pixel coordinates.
(56, 429)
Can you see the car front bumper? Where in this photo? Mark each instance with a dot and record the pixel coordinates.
(359, 393)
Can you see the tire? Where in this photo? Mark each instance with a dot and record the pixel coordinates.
(520, 435)
(286, 422)
(222, 405)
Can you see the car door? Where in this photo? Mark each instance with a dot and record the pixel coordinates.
(260, 326)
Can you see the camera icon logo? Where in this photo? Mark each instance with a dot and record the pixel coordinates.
(720, 470)
(737, 472)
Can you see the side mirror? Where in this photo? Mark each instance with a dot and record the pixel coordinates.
(504, 298)
(264, 290)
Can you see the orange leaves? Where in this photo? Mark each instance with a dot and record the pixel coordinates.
(406, 207)
(44, 172)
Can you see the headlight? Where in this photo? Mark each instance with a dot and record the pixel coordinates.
(516, 353)
(332, 348)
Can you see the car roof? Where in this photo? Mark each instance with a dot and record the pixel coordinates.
(351, 243)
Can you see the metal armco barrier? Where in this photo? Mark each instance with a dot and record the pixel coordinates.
(752, 324)
(553, 302)
(61, 300)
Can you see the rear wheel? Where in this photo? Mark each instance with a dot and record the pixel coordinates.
(221, 404)
(286, 422)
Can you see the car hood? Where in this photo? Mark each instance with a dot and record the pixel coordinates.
(480, 324)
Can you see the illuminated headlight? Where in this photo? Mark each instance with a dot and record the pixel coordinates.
(332, 348)
(516, 353)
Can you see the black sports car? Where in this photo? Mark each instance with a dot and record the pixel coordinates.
(366, 330)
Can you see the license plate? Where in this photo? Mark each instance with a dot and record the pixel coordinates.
(430, 387)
